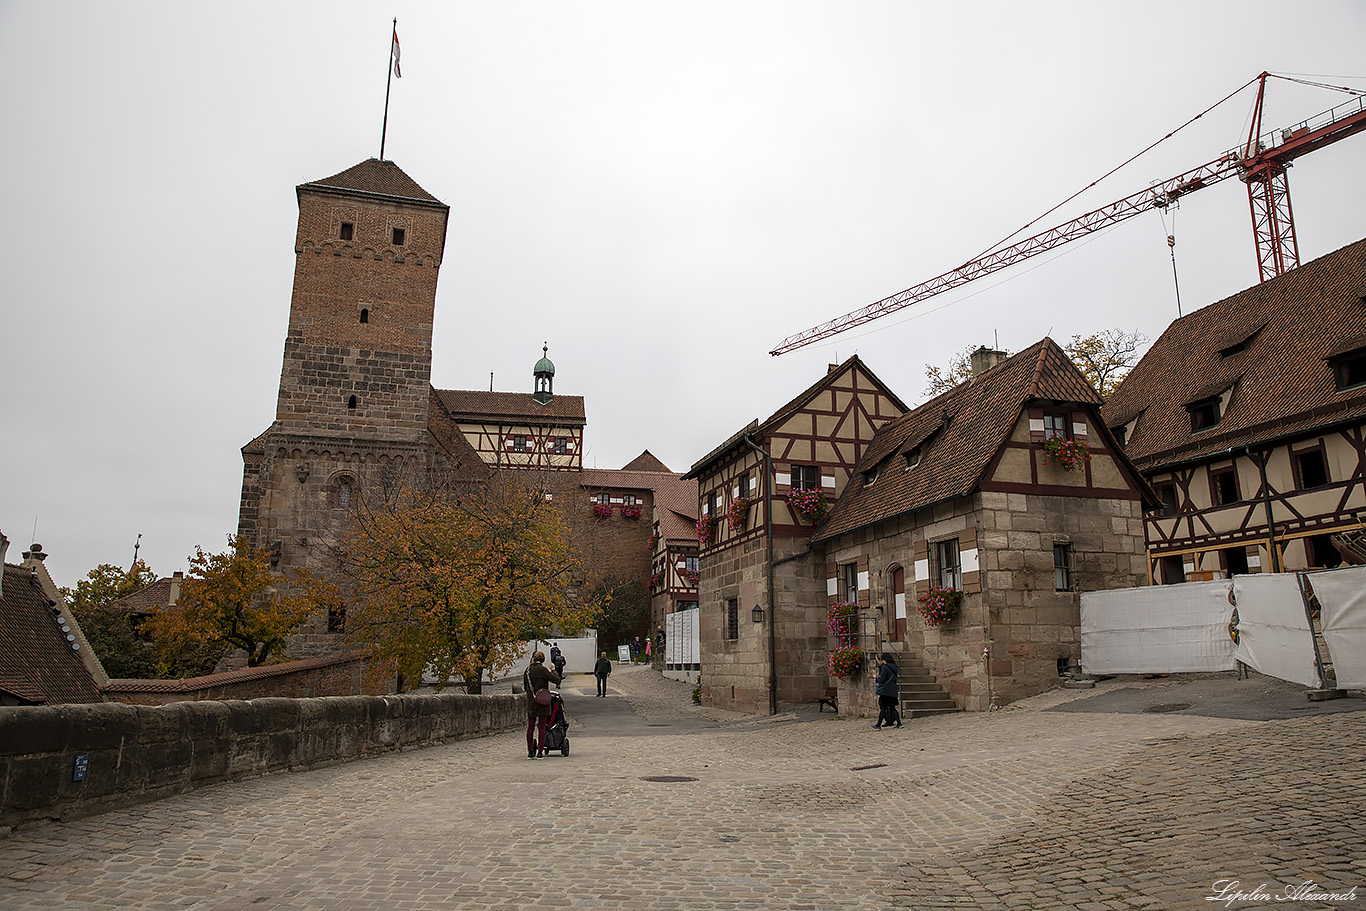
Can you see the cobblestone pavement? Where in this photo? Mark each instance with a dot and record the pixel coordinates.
(1020, 808)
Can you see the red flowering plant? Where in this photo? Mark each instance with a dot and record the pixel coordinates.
(705, 526)
(690, 576)
(844, 661)
(654, 541)
(657, 579)
(810, 504)
(630, 512)
(738, 512)
(602, 510)
(842, 621)
(939, 605)
(1069, 455)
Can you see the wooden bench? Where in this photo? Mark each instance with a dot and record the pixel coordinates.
(831, 698)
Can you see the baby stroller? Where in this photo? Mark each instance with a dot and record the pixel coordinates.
(557, 726)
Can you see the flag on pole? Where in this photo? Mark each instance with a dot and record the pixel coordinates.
(394, 54)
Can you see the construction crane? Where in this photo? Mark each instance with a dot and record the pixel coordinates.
(1261, 162)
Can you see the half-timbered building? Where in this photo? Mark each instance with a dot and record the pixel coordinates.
(760, 495)
(674, 563)
(1006, 489)
(1248, 417)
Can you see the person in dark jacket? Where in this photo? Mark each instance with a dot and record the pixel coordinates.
(888, 691)
(602, 670)
(537, 677)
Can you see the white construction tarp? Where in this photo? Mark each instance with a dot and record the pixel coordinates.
(1274, 637)
(1342, 600)
(1162, 629)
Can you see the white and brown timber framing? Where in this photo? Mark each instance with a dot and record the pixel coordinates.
(513, 430)
(1254, 405)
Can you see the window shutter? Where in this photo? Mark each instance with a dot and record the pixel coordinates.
(967, 558)
(921, 552)
(1036, 434)
(832, 584)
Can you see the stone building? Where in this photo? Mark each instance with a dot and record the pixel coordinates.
(356, 409)
(962, 493)
(1248, 417)
(761, 589)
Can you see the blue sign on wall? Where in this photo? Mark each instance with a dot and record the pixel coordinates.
(82, 763)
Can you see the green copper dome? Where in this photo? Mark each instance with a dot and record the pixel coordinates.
(544, 366)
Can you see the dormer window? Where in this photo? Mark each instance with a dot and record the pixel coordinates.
(1239, 346)
(913, 458)
(1349, 369)
(348, 231)
(400, 236)
(869, 477)
(1055, 426)
(1204, 414)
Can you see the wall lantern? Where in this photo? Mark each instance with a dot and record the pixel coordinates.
(757, 614)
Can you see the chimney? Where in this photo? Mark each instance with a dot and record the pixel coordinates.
(983, 359)
(4, 547)
(35, 552)
(176, 578)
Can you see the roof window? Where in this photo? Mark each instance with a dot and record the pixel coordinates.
(1349, 369)
(1204, 414)
(1239, 346)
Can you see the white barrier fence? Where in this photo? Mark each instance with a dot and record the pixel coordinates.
(682, 645)
(1187, 628)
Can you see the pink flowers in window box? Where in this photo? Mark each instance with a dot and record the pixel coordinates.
(1069, 455)
(738, 512)
(844, 661)
(630, 512)
(690, 576)
(810, 504)
(602, 510)
(939, 605)
(705, 527)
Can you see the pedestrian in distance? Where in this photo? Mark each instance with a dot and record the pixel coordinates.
(537, 679)
(888, 691)
(557, 658)
(602, 670)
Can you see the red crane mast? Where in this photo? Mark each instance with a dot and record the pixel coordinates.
(1261, 162)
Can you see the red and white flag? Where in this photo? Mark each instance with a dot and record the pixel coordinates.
(394, 54)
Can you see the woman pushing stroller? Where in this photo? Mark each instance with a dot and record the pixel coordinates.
(537, 679)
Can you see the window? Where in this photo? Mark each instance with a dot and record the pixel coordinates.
(1311, 469)
(869, 477)
(714, 505)
(743, 486)
(364, 315)
(1223, 485)
(1173, 570)
(348, 231)
(1349, 370)
(690, 563)
(629, 499)
(603, 499)
(1235, 561)
(1321, 552)
(806, 477)
(344, 494)
(1121, 434)
(1055, 427)
(1062, 567)
(848, 582)
(946, 564)
(1166, 492)
(913, 458)
(1204, 414)
(733, 618)
(351, 403)
(518, 443)
(561, 445)
(400, 235)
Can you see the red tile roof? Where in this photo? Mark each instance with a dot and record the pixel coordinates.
(646, 461)
(959, 431)
(467, 404)
(1281, 385)
(37, 663)
(374, 177)
(145, 600)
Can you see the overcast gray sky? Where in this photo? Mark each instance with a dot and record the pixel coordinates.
(662, 192)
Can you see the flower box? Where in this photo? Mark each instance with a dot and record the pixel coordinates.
(842, 621)
(654, 541)
(657, 579)
(602, 511)
(705, 527)
(939, 605)
(844, 661)
(738, 513)
(690, 576)
(630, 512)
(810, 505)
(1069, 455)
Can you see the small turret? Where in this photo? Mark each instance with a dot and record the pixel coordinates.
(545, 378)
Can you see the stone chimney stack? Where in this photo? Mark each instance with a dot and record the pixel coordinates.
(983, 359)
(35, 553)
(177, 577)
(4, 547)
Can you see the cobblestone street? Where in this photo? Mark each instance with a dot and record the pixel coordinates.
(1020, 808)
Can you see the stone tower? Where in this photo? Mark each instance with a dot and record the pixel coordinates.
(355, 385)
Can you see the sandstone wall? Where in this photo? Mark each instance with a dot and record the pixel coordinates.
(141, 753)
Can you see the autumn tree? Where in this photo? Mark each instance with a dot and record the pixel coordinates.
(959, 370)
(229, 600)
(452, 583)
(111, 629)
(624, 611)
(1105, 358)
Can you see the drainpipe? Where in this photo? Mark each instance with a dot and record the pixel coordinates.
(1266, 504)
(768, 563)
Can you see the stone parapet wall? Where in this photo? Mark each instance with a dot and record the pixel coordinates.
(139, 753)
(346, 674)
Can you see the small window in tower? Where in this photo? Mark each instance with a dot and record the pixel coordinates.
(351, 403)
(561, 445)
(400, 235)
(364, 315)
(348, 230)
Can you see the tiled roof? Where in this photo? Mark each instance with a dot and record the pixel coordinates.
(959, 431)
(1280, 383)
(241, 675)
(148, 599)
(377, 178)
(675, 497)
(646, 461)
(468, 404)
(36, 661)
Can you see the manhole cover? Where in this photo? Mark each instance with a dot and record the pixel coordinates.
(1168, 707)
(864, 768)
(667, 778)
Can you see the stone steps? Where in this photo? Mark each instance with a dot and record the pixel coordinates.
(920, 692)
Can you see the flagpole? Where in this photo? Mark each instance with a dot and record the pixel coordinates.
(384, 130)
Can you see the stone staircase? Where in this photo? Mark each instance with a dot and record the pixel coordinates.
(921, 692)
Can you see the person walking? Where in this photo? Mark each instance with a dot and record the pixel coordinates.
(537, 678)
(602, 670)
(557, 658)
(888, 691)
